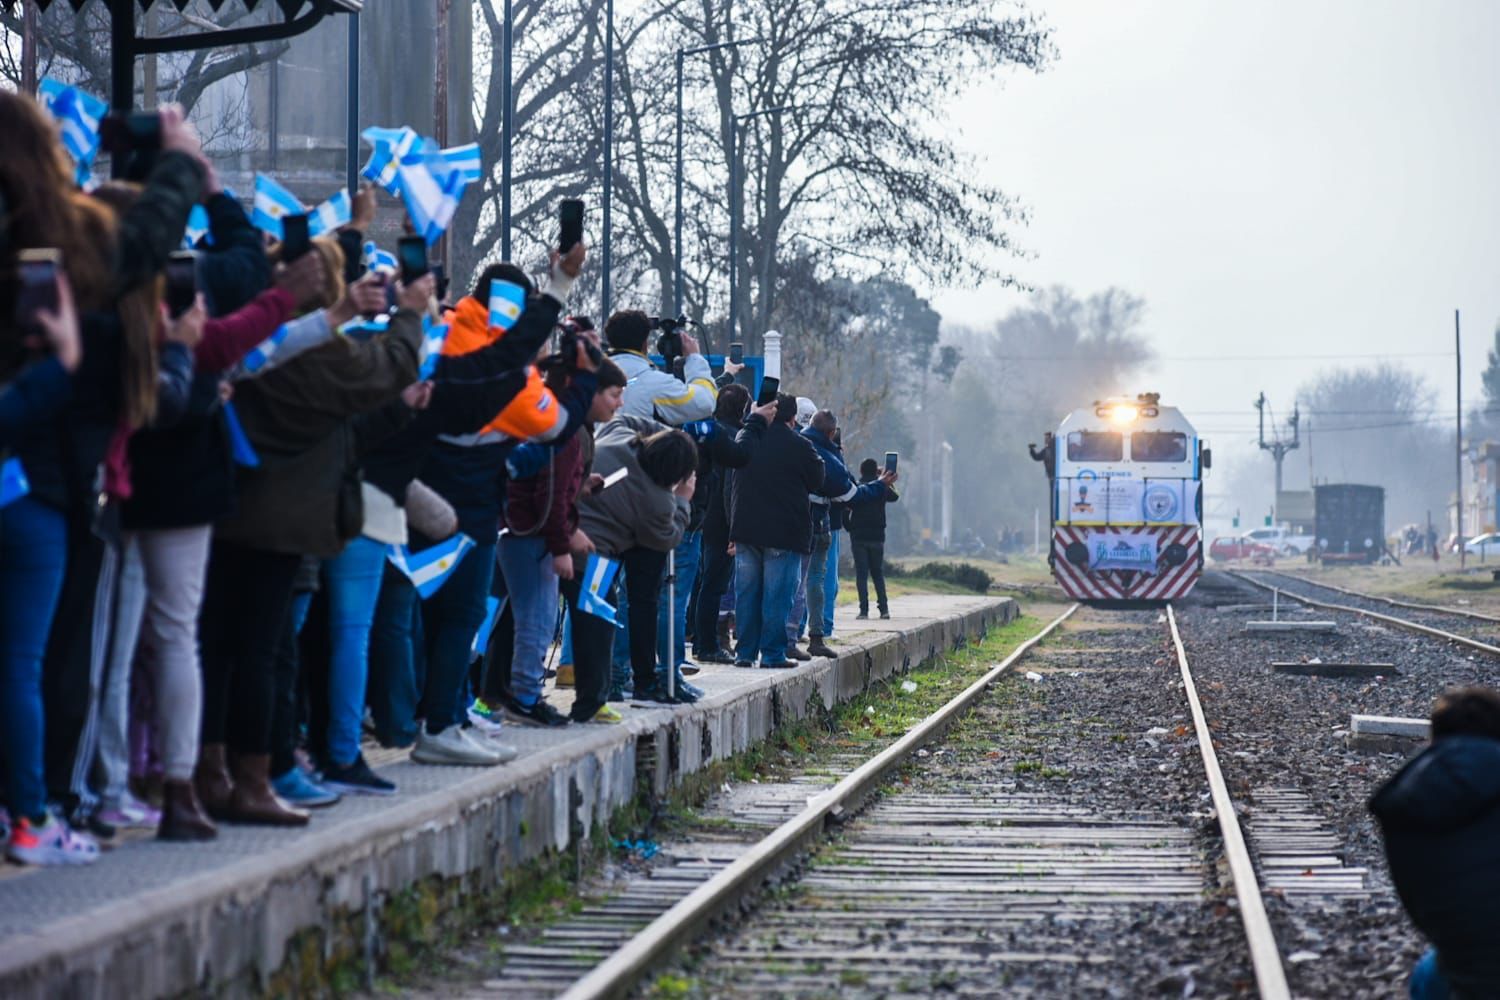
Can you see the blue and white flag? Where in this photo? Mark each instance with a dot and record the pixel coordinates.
(598, 575)
(465, 159)
(13, 482)
(240, 447)
(335, 212)
(494, 607)
(376, 259)
(79, 114)
(392, 145)
(429, 569)
(365, 327)
(433, 337)
(507, 302)
(261, 354)
(197, 227)
(272, 202)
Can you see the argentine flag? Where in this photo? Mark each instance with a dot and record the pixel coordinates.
(429, 569)
(363, 328)
(335, 212)
(598, 575)
(392, 145)
(78, 114)
(376, 259)
(430, 180)
(240, 447)
(272, 201)
(507, 302)
(433, 337)
(197, 227)
(465, 160)
(493, 607)
(260, 355)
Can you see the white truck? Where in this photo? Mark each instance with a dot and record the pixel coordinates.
(1282, 540)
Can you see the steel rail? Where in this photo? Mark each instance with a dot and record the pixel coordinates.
(1413, 605)
(1410, 626)
(1265, 956)
(619, 973)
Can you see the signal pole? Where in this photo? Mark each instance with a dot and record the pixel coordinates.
(1278, 446)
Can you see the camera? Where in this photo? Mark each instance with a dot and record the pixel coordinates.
(566, 355)
(669, 344)
(134, 139)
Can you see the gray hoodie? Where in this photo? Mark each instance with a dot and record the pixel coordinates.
(634, 511)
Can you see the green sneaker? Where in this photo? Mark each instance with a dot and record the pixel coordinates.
(607, 716)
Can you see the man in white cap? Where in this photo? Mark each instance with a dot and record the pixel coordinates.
(806, 408)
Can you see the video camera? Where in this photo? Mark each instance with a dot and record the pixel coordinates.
(566, 356)
(669, 344)
(134, 139)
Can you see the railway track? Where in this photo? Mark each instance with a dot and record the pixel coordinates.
(1071, 857)
(1424, 619)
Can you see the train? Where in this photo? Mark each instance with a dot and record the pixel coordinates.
(1126, 482)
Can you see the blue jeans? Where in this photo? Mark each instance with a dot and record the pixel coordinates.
(353, 579)
(831, 583)
(765, 581)
(817, 578)
(531, 584)
(567, 639)
(620, 673)
(687, 573)
(33, 554)
(451, 618)
(1427, 979)
(395, 684)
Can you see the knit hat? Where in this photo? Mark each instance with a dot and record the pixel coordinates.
(805, 410)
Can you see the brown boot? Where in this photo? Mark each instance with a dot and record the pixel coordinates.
(211, 780)
(182, 818)
(817, 647)
(253, 800)
(565, 675)
(793, 653)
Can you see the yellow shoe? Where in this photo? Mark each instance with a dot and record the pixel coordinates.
(607, 716)
(565, 675)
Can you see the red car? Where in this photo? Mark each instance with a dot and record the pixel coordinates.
(1243, 547)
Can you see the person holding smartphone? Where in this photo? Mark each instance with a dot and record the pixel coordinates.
(867, 540)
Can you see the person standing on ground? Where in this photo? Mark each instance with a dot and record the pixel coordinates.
(867, 539)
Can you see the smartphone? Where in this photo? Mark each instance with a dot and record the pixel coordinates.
(737, 353)
(615, 477)
(182, 281)
(294, 237)
(769, 387)
(411, 251)
(36, 279)
(440, 280)
(570, 214)
(890, 461)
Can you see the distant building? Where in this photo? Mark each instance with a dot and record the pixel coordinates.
(1481, 489)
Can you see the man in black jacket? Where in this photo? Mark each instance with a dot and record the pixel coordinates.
(867, 539)
(720, 455)
(1440, 816)
(770, 525)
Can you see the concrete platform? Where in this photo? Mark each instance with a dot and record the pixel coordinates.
(240, 915)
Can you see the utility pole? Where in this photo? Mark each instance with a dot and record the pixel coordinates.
(1278, 446)
(440, 96)
(1458, 445)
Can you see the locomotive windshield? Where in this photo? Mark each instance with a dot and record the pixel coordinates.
(1158, 446)
(1095, 446)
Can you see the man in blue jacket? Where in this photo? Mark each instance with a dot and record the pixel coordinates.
(839, 486)
(1440, 816)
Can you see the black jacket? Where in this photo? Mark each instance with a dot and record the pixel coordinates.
(867, 521)
(769, 504)
(1440, 816)
(236, 269)
(716, 457)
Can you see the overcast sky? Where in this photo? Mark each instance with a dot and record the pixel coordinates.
(1279, 177)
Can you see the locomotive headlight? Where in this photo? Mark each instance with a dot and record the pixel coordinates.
(1123, 414)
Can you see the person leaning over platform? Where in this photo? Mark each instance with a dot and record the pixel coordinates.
(770, 526)
(1440, 816)
(867, 540)
(838, 487)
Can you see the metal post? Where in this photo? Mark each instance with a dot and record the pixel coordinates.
(1458, 444)
(609, 145)
(28, 48)
(677, 237)
(507, 97)
(440, 99)
(121, 66)
(351, 109)
(734, 230)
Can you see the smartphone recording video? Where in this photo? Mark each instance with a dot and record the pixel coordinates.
(295, 240)
(36, 278)
(737, 353)
(890, 462)
(570, 215)
(769, 387)
(182, 281)
(411, 251)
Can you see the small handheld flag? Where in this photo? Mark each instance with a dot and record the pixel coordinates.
(430, 180)
(464, 159)
(376, 259)
(261, 354)
(598, 575)
(240, 447)
(507, 302)
(197, 227)
(335, 212)
(79, 114)
(272, 201)
(429, 569)
(13, 482)
(493, 608)
(433, 337)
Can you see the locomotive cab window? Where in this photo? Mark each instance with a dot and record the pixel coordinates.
(1095, 446)
(1158, 446)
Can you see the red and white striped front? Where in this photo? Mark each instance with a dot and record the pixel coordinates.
(1168, 583)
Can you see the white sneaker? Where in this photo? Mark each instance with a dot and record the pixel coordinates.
(489, 742)
(451, 746)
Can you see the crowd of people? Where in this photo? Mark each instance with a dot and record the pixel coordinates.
(243, 534)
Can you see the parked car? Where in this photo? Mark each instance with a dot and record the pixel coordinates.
(1485, 545)
(1233, 549)
(1282, 540)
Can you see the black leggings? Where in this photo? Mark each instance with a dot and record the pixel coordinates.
(244, 607)
(869, 560)
(643, 578)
